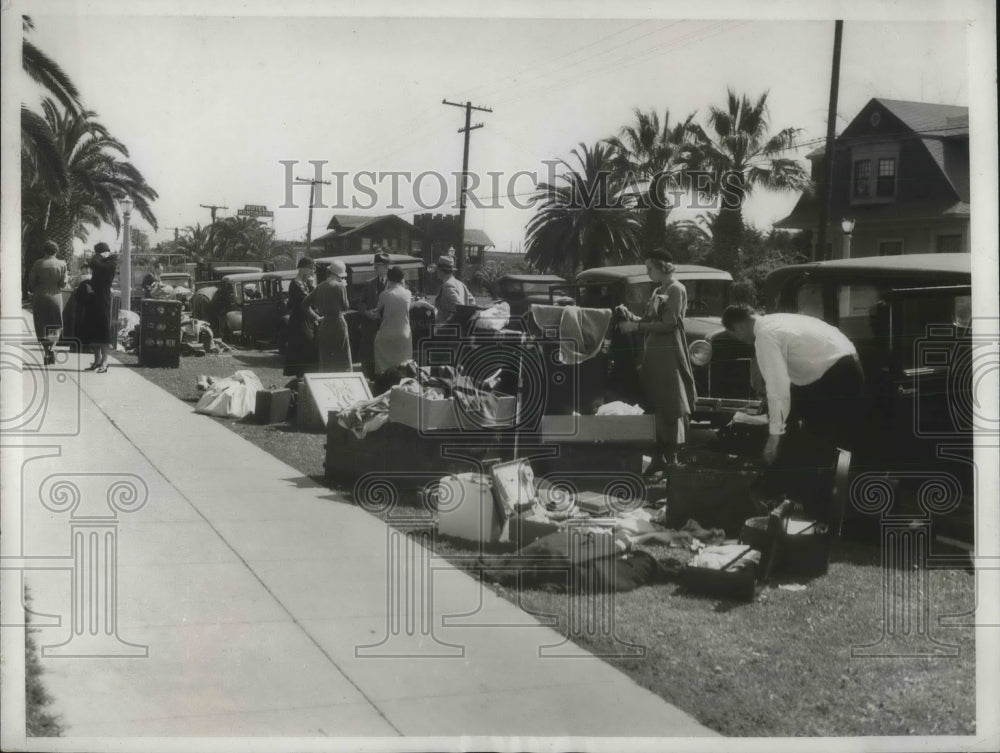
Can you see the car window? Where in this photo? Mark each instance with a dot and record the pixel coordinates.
(809, 300)
(637, 296)
(927, 321)
(707, 297)
(857, 310)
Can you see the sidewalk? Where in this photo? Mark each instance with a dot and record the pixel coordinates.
(252, 588)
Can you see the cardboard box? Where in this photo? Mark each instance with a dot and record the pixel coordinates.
(425, 414)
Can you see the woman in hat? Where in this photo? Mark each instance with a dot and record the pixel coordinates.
(666, 375)
(394, 341)
(46, 280)
(329, 302)
(96, 327)
(300, 348)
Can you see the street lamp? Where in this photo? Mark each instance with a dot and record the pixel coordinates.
(847, 226)
(125, 279)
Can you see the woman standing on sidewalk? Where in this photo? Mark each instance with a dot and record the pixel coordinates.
(329, 301)
(300, 347)
(667, 378)
(96, 327)
(46, 280)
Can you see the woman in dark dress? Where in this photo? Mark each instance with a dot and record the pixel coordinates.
(667, 378)
(300, 351)
(94, 326)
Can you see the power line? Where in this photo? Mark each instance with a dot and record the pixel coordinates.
(212, 208)
(467, 130)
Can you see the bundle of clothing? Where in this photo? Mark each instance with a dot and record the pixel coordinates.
(581, 331)
(442, 382)
(232, 397)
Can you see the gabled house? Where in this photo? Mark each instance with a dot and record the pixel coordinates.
(358, 234)
(901, 174)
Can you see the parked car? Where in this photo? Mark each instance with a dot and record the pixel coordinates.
(264, 317)
(209, 274)
(520, 291)
(910, 318)
(722, 365)
(222, 305)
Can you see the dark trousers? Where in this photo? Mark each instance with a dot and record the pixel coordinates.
(831, 412)
(832, 407)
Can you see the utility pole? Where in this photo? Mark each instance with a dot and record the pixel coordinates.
(212, 208)
(312, 200)
(826, 195)
(469, 107)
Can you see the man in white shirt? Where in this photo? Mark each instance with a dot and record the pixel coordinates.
(811, 372)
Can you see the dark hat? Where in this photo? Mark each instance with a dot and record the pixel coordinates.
(661, 255)
(381, 258)
(305, 261)
(101, 248)
(446, 263)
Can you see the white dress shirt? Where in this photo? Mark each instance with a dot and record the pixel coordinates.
(794, 349)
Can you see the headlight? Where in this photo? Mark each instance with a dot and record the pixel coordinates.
(700, 352)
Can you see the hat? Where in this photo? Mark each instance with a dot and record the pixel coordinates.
(661, 255)
(101, 248)
(381, 258)
(446, 263)
(305, 261)
(338, 269)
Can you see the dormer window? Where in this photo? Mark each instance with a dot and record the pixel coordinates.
(862, 175)
(886, 184)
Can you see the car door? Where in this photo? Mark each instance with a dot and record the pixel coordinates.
(261, 315)
(930, 380)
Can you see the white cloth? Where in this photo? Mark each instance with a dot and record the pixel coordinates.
(794, 349)
(618, 408)
(232, 397)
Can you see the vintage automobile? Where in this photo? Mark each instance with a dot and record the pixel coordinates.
(222, 305)
(910, 318)
(520, 291)
(210, 276)
(722, 365)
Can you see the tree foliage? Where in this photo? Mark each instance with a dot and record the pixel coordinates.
(582, 219)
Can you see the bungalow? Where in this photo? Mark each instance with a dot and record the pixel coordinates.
(900, 182)
(356, 234)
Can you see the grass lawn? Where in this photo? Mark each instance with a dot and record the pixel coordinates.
(780, 666)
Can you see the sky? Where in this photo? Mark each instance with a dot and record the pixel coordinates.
(209, 107)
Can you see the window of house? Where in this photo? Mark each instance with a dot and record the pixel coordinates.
(886, 183)
(862, 174)
(366, 244)
(890, 248)
(949, 244)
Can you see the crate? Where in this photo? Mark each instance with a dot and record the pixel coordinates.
(160, 333)
(425, 414)
(349, 458)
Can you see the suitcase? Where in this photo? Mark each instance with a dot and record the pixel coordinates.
(160, 333)
(272, 406)
(466, 508)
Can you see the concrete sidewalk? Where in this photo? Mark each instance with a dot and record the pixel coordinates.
(253, 589)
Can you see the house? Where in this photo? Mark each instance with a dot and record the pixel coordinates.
(441, 230)
(901, 174)
(357, 234)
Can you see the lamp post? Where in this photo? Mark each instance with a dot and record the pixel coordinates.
(125, 279)
(847, 226)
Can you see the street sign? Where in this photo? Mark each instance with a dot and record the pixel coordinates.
(254, 210)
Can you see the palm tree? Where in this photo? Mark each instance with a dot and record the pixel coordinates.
(740, 155)
(241, 238)
(582, 218)
(96, 181)
(653, 154)
(196, 242)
